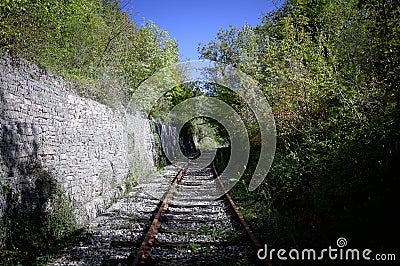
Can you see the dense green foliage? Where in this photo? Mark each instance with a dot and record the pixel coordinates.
(92, 41)
(330, 72)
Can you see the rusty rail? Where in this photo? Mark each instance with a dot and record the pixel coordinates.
(144, 250)
(254, 241)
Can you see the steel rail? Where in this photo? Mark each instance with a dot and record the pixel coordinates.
(144, 251)
(254, 241)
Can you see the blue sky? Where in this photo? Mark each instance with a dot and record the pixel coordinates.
(194, 22)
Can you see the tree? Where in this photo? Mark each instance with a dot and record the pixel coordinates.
(92, 42)
(329, 70)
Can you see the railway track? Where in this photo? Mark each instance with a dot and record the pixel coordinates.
(186, 227)
(190, 228)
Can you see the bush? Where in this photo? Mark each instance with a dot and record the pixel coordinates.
(37, 219)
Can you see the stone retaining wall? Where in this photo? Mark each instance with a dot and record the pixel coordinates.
(87, 147)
